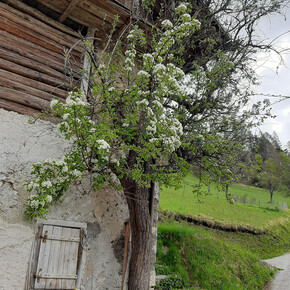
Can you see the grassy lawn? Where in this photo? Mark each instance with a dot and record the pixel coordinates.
(194, 258)
(258, 213)
(198, 257)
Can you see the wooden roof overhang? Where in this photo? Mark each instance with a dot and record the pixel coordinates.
(33, 37)
(34, 34)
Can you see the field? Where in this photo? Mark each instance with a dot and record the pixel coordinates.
(224, 257)
(254, 211)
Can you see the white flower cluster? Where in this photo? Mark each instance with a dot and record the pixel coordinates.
(142, 102)
(157, 103)
(65, 116)
(46, 184)
(148, 61)
(130, 53)
(53, 103)
(103, 144)
(143, 74)
(74, 99)
(159, 69)
(76, 173)
(34, 201)
(151, 128)
(171, 133)
(166, 24)
(185, 17)
(181, 8)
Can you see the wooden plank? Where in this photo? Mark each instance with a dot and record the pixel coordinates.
(29, 63)
(60, 266)
(99, 11)
(82, 16)
(21, 30)
(21, 109)
(66, 233)
(42, 17)
(68, 10)
(62, 223)
(54, 258)
(46, 89)
(34, 52)
(34, 255)
(31, 51)
(63, 83)
(87, 18)
(73, 254)
(43, 260)
(111, 6)
(8, 83)
(10, 34)
(61, 238)
(23, 98)
(37, 26)
(81, 259)
(55, 5)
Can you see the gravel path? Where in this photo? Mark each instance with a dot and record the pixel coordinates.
(281, 279)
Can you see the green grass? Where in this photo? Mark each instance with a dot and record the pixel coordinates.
(185, 201)
(195, 258)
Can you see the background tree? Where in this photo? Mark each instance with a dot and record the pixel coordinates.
(284, 163)
(160, 121)
(270, 177)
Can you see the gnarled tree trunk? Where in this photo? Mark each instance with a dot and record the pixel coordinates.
(141, 230)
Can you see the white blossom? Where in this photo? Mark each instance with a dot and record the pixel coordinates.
(142, 102)
(46, 184)
(92, 130)
(157, 103)
(181, 8)
(53, 103)
(166, 24)
(158, 68)
(151, 128)
(49, 198)
(103, 144)
(143, 73)
(153, 139)
(34, 203)
(76, 173)
(65, 116)
(114, 160)
(70, 102)
(186, 17)
(60, 162)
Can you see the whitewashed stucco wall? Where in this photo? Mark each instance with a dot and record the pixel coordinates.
(22, 144)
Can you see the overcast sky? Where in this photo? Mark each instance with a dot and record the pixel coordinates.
(276, 81)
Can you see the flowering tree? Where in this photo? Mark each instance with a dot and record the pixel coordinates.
(149, 130)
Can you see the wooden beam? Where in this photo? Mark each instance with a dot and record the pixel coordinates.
(42, 17)
(33, 84)
(21, 109)
(68, 10)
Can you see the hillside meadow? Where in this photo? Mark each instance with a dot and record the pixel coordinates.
(205, 242)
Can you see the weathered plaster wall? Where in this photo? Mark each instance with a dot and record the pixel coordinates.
(21, 145)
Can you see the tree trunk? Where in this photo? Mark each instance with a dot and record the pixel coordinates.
(271, 196)
(227, 191)
(141, 230)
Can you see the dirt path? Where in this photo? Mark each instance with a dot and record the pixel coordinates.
(281, 279)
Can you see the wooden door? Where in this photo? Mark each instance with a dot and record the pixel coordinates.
(58, 258)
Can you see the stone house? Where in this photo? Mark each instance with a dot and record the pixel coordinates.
(82, 242)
